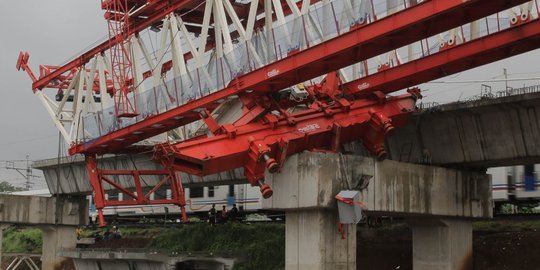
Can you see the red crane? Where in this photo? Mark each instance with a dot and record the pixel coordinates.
(263, 55)
(118, 21)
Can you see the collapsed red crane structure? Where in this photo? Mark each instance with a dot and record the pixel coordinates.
(280, 115)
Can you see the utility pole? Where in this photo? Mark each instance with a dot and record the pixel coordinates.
(505, 79)
(25, 172)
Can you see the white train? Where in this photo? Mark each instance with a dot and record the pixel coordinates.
(517, 184)
(199, 200)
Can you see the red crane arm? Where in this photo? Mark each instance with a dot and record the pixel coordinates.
(412, 24)
(510, 42)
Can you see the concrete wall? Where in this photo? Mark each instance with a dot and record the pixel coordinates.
(484, 133)
(30, 210)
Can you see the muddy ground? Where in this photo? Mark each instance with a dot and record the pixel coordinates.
(390, 249)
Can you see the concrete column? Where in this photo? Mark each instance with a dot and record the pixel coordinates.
(442, 244)
(305, 190)
(313, 242)
(56, 238)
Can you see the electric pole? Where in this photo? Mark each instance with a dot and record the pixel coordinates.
(25, 172)
(505, 79)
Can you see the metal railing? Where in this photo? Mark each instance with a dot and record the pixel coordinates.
(486, 96)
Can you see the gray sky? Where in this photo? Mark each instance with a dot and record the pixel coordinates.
(53, 31)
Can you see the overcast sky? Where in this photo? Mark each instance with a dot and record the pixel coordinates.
(53, 31)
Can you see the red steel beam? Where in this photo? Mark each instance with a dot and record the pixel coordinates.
(504, 44)
(314, 129)
(405, 27)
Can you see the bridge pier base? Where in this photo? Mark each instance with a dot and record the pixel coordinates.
(442, 244)
(305, 190)
(308, 183)
(313, 241)
(55, 239)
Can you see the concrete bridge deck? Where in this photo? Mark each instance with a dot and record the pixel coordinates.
(42, 211)
(489, 132)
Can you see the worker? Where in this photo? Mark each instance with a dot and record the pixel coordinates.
(116, 234)
(78, 233)
(223, 215)
(233, 214)
(241, 213)
(212, 214)
(107, 235)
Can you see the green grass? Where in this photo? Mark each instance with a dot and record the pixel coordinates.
(262, 245)
(27, 240)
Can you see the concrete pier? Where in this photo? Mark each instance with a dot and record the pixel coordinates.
(435, 196)
(313, 241)
(305, 190)
(442, 244)
(55, 239)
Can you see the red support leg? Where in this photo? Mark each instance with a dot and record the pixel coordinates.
(95, 182)
(178, 193)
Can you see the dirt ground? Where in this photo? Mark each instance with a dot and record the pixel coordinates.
(390, 249)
